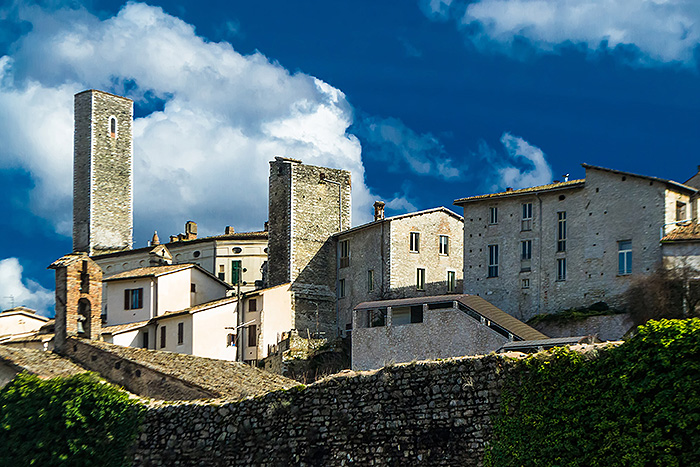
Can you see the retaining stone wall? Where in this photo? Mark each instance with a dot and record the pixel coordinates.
(428, 413)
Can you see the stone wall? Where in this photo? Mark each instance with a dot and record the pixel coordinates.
(428, 413)
(604, 327)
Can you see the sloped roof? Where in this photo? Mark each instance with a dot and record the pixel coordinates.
(41, 363)
(21, 310)
(196, 308)
(473, 302)
(399, 217)
(68, 259)
(156, 271)
(647, 177)
(120, 328)
(684, 233)
(524, 191)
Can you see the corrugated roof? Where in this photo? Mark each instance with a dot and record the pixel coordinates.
(684, 233)
(400, 216)
(524, 191)
(473, 302)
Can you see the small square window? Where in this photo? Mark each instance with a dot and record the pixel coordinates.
(525, 283)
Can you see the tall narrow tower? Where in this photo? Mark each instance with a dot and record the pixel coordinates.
(102, 173)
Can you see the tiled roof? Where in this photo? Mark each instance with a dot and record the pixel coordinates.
(647, 177)
(400, 216)
(23, 311)
(150, 271)
(41, 363)
(68, 259)
(524, 191)
(474, 302)
(196, 308)
(684, 233)
(119, 328)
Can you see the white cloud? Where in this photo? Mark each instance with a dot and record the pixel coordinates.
(391, 141)
(205, 155)
(520, 165)
(22, 291)
(661, 30)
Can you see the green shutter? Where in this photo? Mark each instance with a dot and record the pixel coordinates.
(235, 272)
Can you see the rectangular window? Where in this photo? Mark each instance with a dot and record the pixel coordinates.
(230, 340)
(193, 288)
(451, 281)
(493, 261)
(235, 272)
(180, 333)
(370, 280)
(253, 304)
(420, 279)
(680, 211)
(415, 242)
(527, 217)
(85, 278)
(526, 250)
(253, 335)
(561, 231)
(444, 245)
(133, 299)
(525, 283)
(144, 343)
(624, 257)
(417, 314)
(493, 215)
(344, 253)
(341, 288)
(561, 269)
(162, 337)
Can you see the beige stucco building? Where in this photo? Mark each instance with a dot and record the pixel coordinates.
(411, 255)
(571, 244)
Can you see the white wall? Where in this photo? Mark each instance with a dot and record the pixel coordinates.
(210, 333)
(15, 323)
(116, 314)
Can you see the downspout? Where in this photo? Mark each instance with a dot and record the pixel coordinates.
(539, 254)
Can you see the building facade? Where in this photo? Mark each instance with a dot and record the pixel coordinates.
(411, 255)
(571, 244)
(102, 173)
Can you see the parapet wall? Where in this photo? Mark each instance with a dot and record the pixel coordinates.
(427, 413)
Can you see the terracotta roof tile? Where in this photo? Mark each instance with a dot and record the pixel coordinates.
(684, 233)
(524, 191)
(148, 271)
(119, 328)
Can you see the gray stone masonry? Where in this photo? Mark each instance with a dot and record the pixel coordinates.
(102, 173)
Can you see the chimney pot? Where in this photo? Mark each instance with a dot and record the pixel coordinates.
(230, 230)
(190, 230)
(155, 240)
(379, 210)
(509, 188)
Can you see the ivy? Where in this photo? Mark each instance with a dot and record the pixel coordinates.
(634, 405)
(76, 421)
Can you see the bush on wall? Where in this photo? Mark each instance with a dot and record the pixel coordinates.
(75, 421)
(636, 404)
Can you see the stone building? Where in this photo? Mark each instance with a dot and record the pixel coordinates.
(571, 244)
(78, 298)
(412, 255)
(102, 173)
(308, 204)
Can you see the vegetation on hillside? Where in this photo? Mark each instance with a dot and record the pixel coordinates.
(634, 405)
(575, 314)
(78, 421)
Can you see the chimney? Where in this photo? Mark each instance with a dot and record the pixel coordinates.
(155, 240)
(378, 210)
(229, 230)
(267, 226)
(190, 230)
(509, 188)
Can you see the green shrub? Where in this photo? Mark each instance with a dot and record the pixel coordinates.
(76, 421)
(634, 405)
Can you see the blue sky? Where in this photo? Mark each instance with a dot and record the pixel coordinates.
(424, 101)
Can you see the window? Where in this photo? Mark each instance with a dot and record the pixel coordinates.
(235, 272)
(417, 314)
(493, 261)
(415, 242)
(113, 127)
(561, 231)
(344, 253)
(444, 245)
(341, 288)
(252, 336)
(162, 337)
(230, 340)
(370, 280)
(420, 279)
(493, 215)
(253, 304)
(144, 343)
(527, 217)
(624, 257)
(84, 279)
(526, 250)
(680, 211)
(133, 299)
(525, 283)
(180, 333)
(561, 269)
(222, 272)
(193, 288)
(451, 281)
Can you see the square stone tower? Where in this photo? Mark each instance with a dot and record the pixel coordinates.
(102, 173)
(308, 204)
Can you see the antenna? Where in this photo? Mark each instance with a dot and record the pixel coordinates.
(12, 300)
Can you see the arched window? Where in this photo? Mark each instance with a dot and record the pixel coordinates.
(113, 127)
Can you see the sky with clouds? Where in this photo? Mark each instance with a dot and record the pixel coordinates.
(424, 101)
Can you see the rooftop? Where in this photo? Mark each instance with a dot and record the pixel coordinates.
(151, 271)
(401, 216)
(647, 177)
(684, 233)
(41, 363)
(524, 191)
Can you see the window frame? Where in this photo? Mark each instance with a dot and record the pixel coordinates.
(370, 280)
(344, 253)
(561, 269)
(526, 219)
(133, 299)
(525, 250)
(252, 335)
(420, 279)
(624, 257)
(341, 288)
(163, 337)
(561, 231)
(414, 242)
(493, 261)
(180, 333)
(451, 281)
(236, 272)
(444, 245)
(493, 215)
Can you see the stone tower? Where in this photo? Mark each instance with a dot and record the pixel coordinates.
(102, 173)
(78, 298)
(308, 205)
